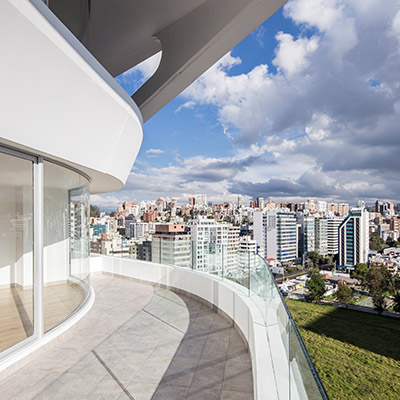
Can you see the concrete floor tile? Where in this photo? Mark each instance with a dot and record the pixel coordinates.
(169, 392)
(158, 344)
(202, 393)
(190, 349)
(141, 390)
(153, 370)
(238, 378)
(215, 348)
(208, 374)
(232, 395)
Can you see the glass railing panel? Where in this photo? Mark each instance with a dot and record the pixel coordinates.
(303, 382)
(295, 374)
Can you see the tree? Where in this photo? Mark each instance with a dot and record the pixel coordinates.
(112, 213)
(328, 260)
(94, 211)
(396, 305)
(377, 243)
(395, 291)
(361, 273)
(315, 286)
(379, 282)
(315, 258)
(379, 301)
(344, 294)
(390, 242)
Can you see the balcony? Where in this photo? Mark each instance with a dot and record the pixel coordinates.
(137, 341)
(128, 339)
(159, 331)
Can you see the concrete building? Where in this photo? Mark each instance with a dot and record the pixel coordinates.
(321, 236)
(210, 244)
(276, 233)
(322, 207)
(343, 209)
(200, 200)
(306, 237)
(260, 203)
(247, 248)
(354, 239)
(144, 250)
(233, 248)
(98, 229)
(333, 235)
(171, 245)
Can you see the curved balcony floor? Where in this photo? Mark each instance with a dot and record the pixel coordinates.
(139, 342)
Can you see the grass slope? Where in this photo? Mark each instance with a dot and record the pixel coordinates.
(357, 355)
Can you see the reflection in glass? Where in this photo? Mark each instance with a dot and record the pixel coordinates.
(66, 252)
(16, 250)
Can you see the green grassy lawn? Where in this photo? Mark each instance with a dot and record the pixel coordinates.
(357, 355)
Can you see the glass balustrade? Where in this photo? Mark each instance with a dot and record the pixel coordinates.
(294, 372)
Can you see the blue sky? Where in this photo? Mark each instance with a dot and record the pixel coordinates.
(308, 105)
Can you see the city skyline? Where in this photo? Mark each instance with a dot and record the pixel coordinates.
(246, 201)
(307, 106)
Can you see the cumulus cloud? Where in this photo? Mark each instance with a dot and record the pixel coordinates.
(323, 123)
(292, 55)
(332, 108)
(154, 152)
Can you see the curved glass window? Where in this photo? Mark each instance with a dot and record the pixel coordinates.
(65, 243)
(16, 250)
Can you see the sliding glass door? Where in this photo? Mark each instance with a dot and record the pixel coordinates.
(16, 249)
(44, 246)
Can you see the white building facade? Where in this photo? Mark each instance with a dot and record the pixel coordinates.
(276, 234)
(354, 238)
(321, 236)
(333, 235)
(209, 244)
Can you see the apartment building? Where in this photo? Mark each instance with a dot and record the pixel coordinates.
(354, 238)
(321, 236)
(276, 234)
(210, 244)
(171, 245)
(233, 248)
(333, 235)
(306, 239)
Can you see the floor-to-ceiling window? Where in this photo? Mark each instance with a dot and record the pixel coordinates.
(44, 210)
(65, 242)
(16, 250)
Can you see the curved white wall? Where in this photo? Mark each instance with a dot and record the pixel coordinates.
(58, 101)
(230, 298)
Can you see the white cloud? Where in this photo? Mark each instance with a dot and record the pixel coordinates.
(319, 126)
(154, 151)
(292, 55)
(322, 14)
(333, 106)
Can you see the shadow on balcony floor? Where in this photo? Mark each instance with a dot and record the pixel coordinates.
(139, 342)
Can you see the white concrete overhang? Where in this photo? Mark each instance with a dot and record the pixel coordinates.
(192, 34)
(58, 101)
